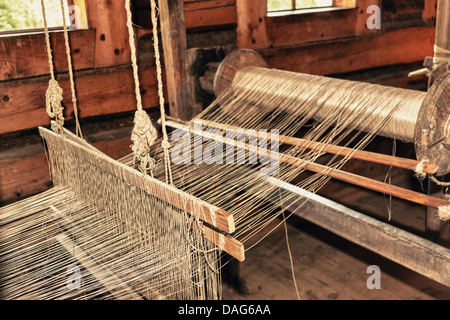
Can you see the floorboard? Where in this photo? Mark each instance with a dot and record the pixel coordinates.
(326, 267)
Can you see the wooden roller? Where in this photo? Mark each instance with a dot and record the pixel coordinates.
(426, 121)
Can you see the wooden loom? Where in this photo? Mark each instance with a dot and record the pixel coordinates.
(217, 230)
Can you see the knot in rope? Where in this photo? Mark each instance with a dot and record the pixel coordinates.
(444, 213)
(53, 102)
(165, 144)
(143, 136)
(419, 170)
(147, 164)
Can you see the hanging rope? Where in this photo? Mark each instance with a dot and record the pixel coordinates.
(53, 95)
(144, 133)
(72, 82)
(165, 143)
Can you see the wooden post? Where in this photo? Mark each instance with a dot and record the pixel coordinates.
(443, 25)
(251, 29)
(429, 12)
(111, 43)
(442, 41)
(179, 87)
(434, 228)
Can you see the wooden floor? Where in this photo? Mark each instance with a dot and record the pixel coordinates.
(326, 268)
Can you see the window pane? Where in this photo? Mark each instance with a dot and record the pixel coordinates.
(303, 4)
(27, 14)
(276, 5)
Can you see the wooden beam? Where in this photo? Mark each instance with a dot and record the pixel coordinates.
(198, 14)
(173, 32)
(392, 47)
(99, 92)
(108, 18)
(409, 250)
(25, 55)
(226, 243)
(443, 25)
(429, 11)
(367, 183)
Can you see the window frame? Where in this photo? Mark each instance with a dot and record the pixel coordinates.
(295, 10)
(257, 29)
(19, 65)
(83, 22)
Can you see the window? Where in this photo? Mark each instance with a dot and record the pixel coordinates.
(18, 15)
(288, 5)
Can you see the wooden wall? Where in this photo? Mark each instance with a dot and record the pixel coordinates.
(339, 41)
(334, 42)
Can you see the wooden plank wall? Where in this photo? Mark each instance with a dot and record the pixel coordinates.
(317, 43)
(103, 49)
(339, 41)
